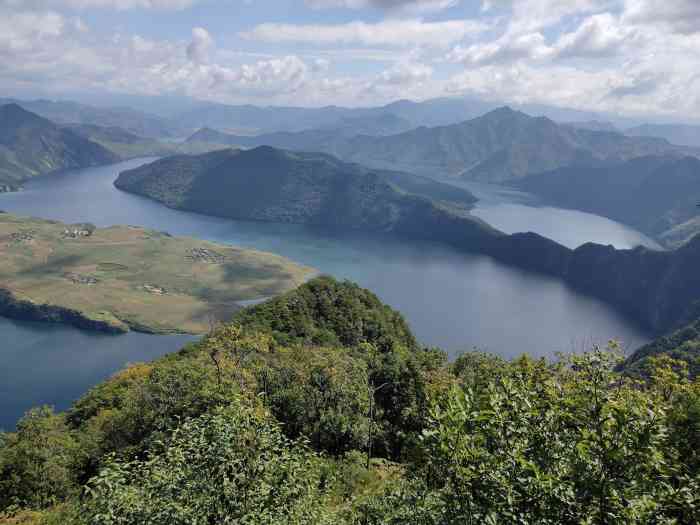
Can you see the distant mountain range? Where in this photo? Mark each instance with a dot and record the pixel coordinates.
(658, 289)
(123, 143)
(653, 194)
(681, 134)
(31, 145)
(499, 146)
(133, 121)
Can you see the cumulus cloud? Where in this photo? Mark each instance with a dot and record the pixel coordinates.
(394, 33)
(634, 56)
(682, 16)
(533, 15)
(401, 5)
(598, 35)
(98, 4)
(406, 73)
(506, 49)
(198, 49)
(279, 75)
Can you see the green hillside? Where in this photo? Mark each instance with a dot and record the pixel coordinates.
(31, 145)
(658, 195)
(318, 408)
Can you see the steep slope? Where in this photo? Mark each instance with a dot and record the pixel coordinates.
(31, 145)
(499, 146)
(653, 194)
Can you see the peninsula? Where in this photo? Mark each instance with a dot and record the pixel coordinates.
(129, 278)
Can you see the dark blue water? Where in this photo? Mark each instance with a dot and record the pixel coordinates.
(451, 300)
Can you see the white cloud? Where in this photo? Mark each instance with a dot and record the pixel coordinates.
(633, 56)
(393, 33)
(598, 35)
(199, 47)
(401, 5)
(406, 73)
(27, 31)
(507, 49)
(279, 75)
(98, 4)
(681, 16)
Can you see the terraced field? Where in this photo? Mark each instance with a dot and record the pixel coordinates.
(123, 277)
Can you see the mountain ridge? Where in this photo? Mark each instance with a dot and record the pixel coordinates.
(31, 145)
(496, 147)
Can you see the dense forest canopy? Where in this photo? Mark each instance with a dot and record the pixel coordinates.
(320, 407)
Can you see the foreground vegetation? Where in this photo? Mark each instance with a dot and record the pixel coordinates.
(320, 407)
(120, 278)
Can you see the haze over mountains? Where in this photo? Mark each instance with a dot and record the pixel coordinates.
(501, 145)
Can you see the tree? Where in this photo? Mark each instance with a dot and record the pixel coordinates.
(230, 466)
(37, 462)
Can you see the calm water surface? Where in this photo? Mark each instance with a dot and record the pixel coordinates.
(451, 300)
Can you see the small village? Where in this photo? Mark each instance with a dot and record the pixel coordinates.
(205, 255)
(76, 278)
(76, 233)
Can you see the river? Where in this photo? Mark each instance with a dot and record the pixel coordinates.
(451, 300)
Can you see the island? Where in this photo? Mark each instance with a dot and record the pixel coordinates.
(125, 278)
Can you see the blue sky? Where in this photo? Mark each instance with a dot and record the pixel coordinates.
(629, 57)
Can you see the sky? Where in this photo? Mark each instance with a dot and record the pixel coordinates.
(627, 57)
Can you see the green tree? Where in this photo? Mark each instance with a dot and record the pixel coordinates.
(230, 466)
(37, 462)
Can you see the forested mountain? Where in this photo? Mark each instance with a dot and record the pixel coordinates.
(268, 184)
(682, 344)
(320, 408)
(657, 289)
(681, 134)
(404, 114)
(499, 146)
(31, 145)
(131, 120)
(654, 194)
(249, 119)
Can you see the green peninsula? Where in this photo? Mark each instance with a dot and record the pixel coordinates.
(128, 278)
